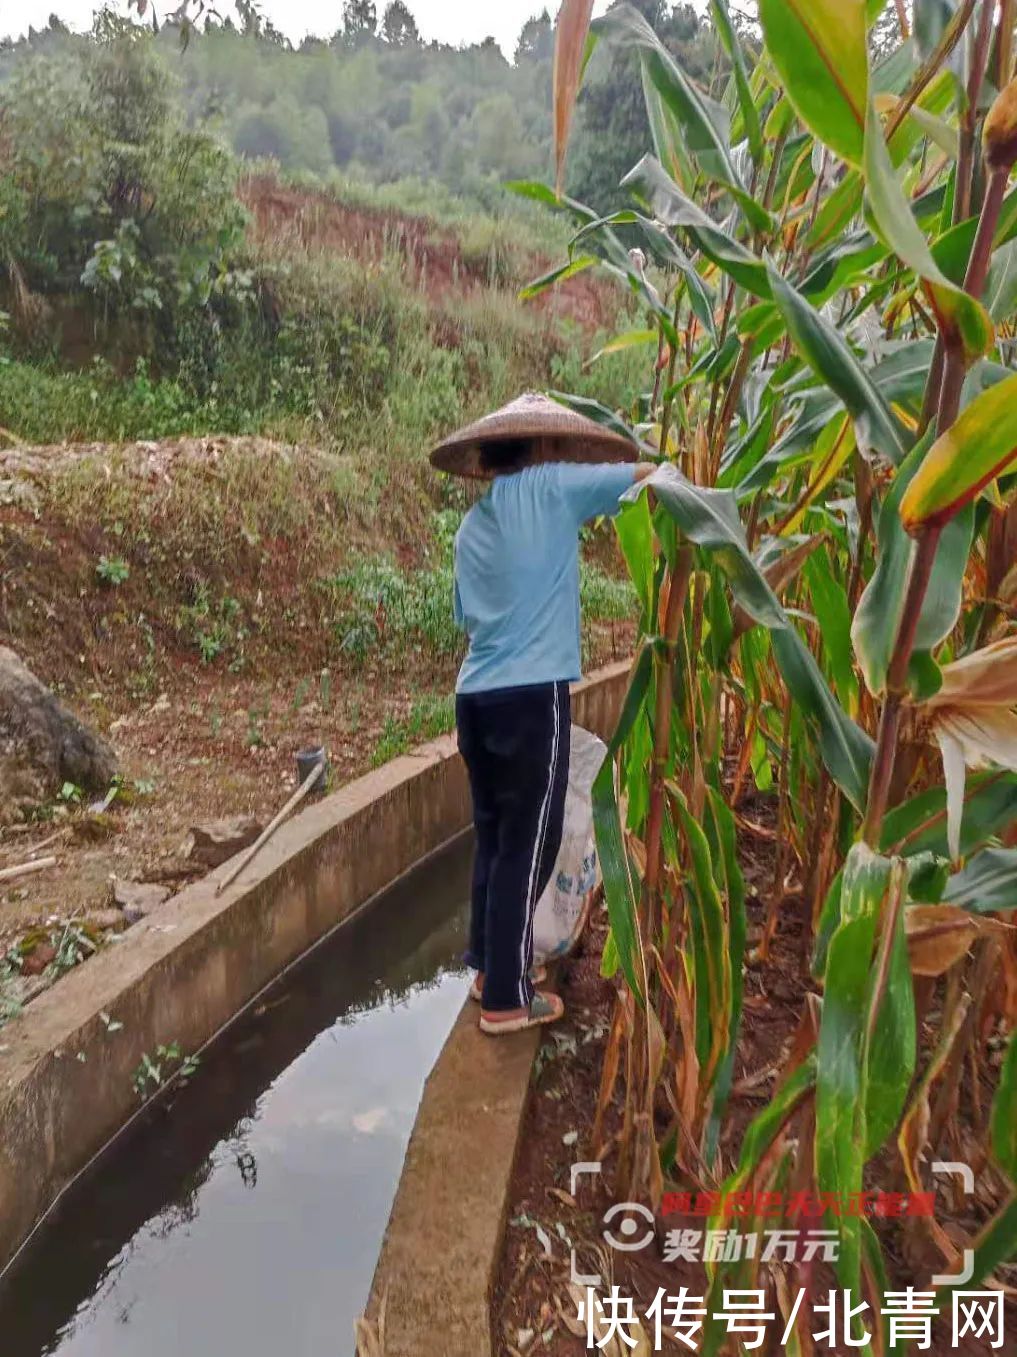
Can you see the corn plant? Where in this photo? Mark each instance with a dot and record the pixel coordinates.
(825, 250)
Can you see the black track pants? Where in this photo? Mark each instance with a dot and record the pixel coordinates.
(515, 742)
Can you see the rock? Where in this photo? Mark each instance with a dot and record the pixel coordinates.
(38, 959)
(216, 842)
(106, 920)
(42, 744)
(138, 898)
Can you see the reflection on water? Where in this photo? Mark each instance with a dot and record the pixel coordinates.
(246, 1215)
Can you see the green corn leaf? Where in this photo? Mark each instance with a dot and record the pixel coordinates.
(828, 354)
(710, 946)
(709, 518)
(819, 48)
(732, 46)
(846, 749)
(558, 275)
(700, 120)
(878, 616)
(952, 249)
(833, 613)
(609, 962)
(920, 824)
(663, 248)
(720, 826)
(1004, 1114)
(651, 182)
(829, 918)
(619, 891)
(996, 1244)
(842, 1079)
(962, 319)
(838, 210)
(666, 134)
(979, 447)
(894, 1053)
(722, 626)
(874, 1268)
(600, 414)
(986, 884)
(1001, 285)
(630, 339)
(634, 528)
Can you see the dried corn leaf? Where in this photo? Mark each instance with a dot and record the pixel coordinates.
(939, 936)
(569, 49)
(985, 678)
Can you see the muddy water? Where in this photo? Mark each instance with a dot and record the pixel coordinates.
(244, 1215)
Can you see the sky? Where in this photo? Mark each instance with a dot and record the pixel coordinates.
(452, 21)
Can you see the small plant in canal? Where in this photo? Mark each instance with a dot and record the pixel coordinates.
(155, 1070)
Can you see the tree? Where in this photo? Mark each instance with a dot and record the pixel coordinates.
(398, 27)
(613, 129)
(536, 41)
(360, 21)
(886, 32)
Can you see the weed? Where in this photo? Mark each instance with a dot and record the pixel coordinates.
(73, 946)
(112, 570)
(605, 598)
(300, 694)
(430, 716)
(214, 627)
(382, 607)
(10, 999)
(154, 1071)
(255, 735)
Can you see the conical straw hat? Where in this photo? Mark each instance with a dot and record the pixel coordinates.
(558, 435)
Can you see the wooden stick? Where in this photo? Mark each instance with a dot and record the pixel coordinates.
(26, 869)
(43, 843)
(256, 847)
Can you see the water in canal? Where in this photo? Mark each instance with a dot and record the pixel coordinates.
(244, 1214)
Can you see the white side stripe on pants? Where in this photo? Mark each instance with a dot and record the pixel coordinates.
(538, 850)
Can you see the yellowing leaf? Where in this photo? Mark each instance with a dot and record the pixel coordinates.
(819, 48)
(980, 446)
(629, 340)
(960, 317)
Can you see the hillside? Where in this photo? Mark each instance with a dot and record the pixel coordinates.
(212, 602)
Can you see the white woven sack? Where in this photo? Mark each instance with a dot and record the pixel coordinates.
(558, 919)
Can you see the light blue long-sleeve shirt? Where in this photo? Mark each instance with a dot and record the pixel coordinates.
(517, 572)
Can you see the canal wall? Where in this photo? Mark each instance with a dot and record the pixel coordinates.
(68, 1063)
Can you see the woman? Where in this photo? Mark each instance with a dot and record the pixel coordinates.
(517, 598)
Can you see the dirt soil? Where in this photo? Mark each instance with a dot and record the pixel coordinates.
(197, 738)
(534, 1311)
(434, 259)
(209, 745)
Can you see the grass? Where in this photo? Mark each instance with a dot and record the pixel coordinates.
(430, 716)
(517, 224)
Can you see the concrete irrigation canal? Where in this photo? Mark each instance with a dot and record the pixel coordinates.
(244, 1213)
(245, 1209)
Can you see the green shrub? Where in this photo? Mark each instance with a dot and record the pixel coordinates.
(383, 608)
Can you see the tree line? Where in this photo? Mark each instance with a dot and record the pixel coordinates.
(376, 101)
